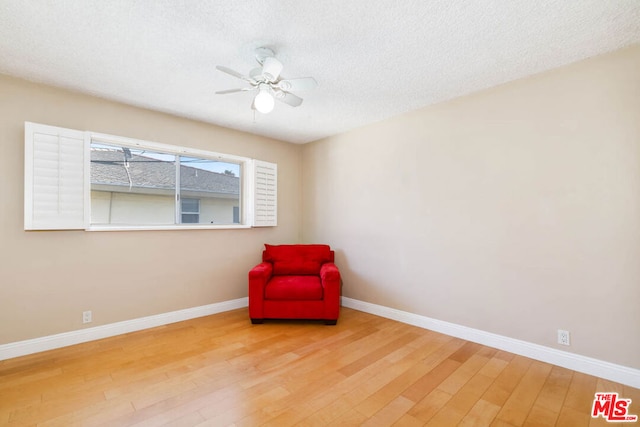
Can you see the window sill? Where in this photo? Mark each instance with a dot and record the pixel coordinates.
(166, 227)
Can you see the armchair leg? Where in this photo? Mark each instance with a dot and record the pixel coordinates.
(330, 321)
(257, 321)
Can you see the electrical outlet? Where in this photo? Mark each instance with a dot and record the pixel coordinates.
(563, 337)
(87, 316)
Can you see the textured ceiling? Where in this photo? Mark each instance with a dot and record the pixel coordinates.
(372, 59)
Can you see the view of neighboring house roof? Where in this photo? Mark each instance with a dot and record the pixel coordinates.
(119, 168)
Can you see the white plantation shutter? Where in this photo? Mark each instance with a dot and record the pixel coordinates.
(265, 194)
(55, 178)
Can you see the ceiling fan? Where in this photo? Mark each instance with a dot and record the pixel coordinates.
(268, 82)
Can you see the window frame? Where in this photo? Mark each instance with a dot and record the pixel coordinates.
(246, 170)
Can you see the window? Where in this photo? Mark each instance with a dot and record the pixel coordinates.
(85, 180)
(190, 211)
(142, 186)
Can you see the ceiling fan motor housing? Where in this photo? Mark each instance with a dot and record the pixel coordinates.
(263, 53)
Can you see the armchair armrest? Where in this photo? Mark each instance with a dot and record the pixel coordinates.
(258, 278)
(329, 272)
(261, 272)
(330, 278)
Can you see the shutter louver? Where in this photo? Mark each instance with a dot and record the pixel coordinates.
(54, 178)
(266, 194)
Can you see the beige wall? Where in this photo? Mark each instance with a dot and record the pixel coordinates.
(514, 211)
(48, 278)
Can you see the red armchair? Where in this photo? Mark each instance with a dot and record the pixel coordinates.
(295, 282)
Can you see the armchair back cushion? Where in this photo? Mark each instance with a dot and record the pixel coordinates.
(299, 260)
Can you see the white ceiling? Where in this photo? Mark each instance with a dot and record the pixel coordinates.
(373, 59)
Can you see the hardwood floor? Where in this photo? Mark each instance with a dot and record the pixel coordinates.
(221, 370)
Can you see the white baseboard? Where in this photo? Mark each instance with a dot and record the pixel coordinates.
(22, 348)
(575, 362)
(587, 365)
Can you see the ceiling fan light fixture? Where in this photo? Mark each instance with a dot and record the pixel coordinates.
(264, 101)
(268, 84)
(271, 68)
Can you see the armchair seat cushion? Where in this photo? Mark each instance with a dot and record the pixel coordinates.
(294, 288)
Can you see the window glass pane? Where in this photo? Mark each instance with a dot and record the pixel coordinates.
(236, 215)
(190, 205)
(132, 186)
(190, 218)
(214, 185)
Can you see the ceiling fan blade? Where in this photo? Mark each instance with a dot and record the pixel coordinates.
(233, 73)
(224, 92)
(271, 68)
(289, 98)
(303, 83)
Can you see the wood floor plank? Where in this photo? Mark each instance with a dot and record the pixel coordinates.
(469, 394)
(465, 352)
(410, 370)
(440, 367)
(456, 381)
(96, 414)
(516, 408)
(581, 392)
(301, 403)
(333, 403)
(354, 394)
(372, 354)
(222, 370)
(390, 413)
(481, 414)
(430, 405)
(506, 382)
(445, 417)
(333, 411)
(572, 417)
(249, 409)
(407, 420)
(546, 408)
